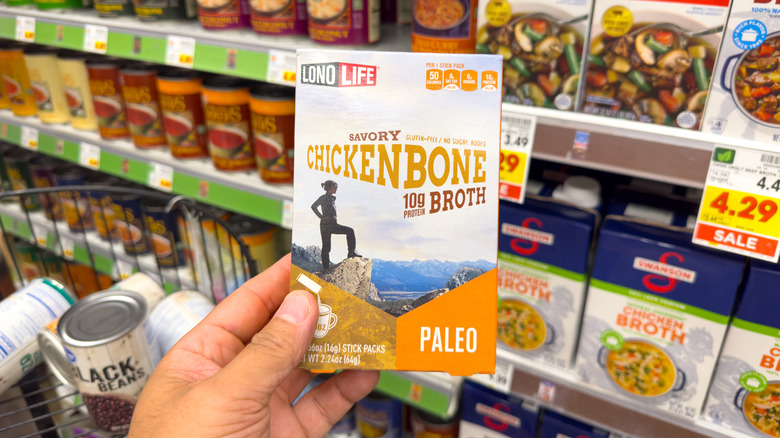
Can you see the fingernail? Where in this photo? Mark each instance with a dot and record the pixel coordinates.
(295, 308)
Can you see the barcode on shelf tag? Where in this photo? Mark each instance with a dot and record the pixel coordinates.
(287, 213)
(29, 138)
(89, 156)
(25, 29)
(161, 177)
(517, 140)
(95, 38)
(68, 247)
(124, 269)
(281, 67)
(501, 380)
(180, 51)
(40, 234)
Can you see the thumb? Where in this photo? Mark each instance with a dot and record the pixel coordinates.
(276, 350)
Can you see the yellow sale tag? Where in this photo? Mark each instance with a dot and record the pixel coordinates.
(512, 167)
(745, 211)
(517, 138)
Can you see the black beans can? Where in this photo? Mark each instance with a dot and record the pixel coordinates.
(163, 228)
(113, 351)
(75, 203)
(129, 214)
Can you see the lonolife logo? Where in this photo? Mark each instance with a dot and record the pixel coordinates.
(527, 239)
(338, 74)
(664, 276)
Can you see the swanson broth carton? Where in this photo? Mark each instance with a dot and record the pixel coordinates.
(541, 43)
(743, 100)
(652, 60)
(543, 260)
(745, 390)
(657, 308)
(405, 146)
(486, 413)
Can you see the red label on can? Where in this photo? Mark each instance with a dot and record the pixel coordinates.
(273, 143)
(185, 126)
(143, 110)
(229, 139)
(109, 106)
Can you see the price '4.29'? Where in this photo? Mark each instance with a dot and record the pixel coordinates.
(765, 209)
(509, 161)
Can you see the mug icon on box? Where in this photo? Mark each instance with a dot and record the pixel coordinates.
(326, 321)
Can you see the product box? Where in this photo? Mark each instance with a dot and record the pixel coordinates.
(406, 147)
(652, 60)
(745, 390)
(486, 413)
(543, 258)
(542, 46)
(555, 425)
(743, 98)
(657, 311)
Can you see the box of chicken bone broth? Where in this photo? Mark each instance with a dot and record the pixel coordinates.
(652, 60)
(396, 208)
(656, 314)
(746, 84)
(745, 390)
(543, 259)
(541, 42)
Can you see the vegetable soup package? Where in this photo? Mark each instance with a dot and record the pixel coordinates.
(405, 146)
(743, 100)
(542, 46)
(544, 247)
(657, 310)
(652, 60)
(745, 391)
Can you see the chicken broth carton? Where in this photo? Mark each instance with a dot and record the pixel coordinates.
(405, 146)
(541, 43)
(652, 60)
(745, 390)
(743, 100)
(544, 246)
(657, 310)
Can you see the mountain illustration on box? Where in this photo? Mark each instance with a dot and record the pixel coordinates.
(395, 287)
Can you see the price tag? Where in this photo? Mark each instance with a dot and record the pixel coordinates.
(181, 51)
(739, 208)
(89, 156)
(95, 38)
(501, 380)
(281, 67)
(25, 29)
(124, 269)
(40, 234)
(517, 139)
(68, 247)
(29, 138)
(161, 177)
(287, 213)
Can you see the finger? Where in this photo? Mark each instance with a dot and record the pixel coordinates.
(292, 386)
(275, 351)
(319, 409)
(245, 311)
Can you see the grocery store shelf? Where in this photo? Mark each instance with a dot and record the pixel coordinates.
(259, 57)
(87, 248)
(563, 392)
(626, 147)
(241, 192)
(437, 393)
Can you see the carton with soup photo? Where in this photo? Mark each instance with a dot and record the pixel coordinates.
(652, 61)
(657, 309)
(743, 101)
(745, 390)
(542, 46)
(544, 246)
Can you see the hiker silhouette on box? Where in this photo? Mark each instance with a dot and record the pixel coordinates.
(325, 208)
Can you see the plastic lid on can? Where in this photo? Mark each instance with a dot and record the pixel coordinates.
(580, 190)
(41, 51)
(275, 92)
(226, 83)
(18, 155)
(244, 225)
(140, 68)
(105, 63)
(101, 318)
(53, 352)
